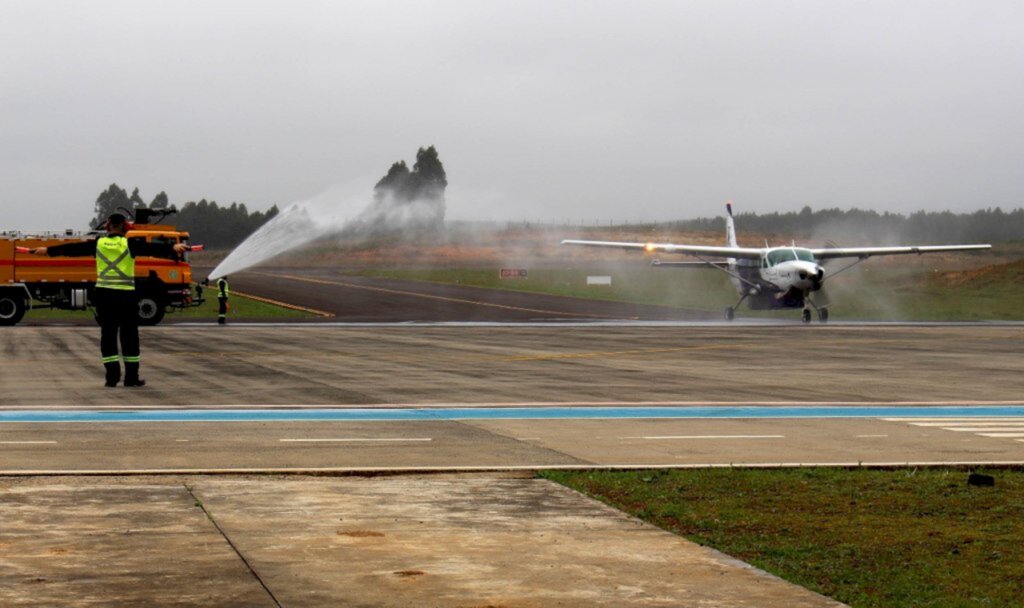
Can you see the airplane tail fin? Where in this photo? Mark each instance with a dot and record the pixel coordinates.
(730, 227)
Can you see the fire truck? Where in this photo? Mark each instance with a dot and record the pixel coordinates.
(30, 282)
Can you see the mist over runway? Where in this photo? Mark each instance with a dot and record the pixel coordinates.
(367, 299)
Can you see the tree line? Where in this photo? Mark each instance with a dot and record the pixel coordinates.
(984, 225)
(217, 227)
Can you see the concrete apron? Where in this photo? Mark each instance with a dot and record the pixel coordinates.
(466, 541)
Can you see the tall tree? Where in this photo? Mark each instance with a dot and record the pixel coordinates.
(108, 202)
(136, 199)
(430, 171)
(160, 201)
(409, 199)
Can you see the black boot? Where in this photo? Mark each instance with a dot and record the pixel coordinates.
(113, 373)
(131, 375)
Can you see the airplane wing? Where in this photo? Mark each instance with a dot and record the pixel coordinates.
(698, 250)
(702, 264)
(866, 252)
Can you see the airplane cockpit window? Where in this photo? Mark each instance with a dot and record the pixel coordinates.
(777, 256)
(804, 255)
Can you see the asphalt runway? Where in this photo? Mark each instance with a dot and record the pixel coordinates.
(635, 367)
(107, 500)
(366, 299)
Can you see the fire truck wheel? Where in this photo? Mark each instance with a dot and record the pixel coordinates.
(12, 309)
(151, 310)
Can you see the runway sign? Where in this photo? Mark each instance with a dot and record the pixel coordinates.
(512, 273)
(599, 280)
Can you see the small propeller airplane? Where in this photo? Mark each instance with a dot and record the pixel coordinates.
(772, 277)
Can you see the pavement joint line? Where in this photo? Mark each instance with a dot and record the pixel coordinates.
(25, 442)
(425, 470)
(231, 544)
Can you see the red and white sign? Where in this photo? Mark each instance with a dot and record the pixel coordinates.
(512, 273)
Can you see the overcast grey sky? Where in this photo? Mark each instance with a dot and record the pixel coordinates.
(539, 109)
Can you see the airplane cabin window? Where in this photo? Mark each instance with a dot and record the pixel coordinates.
(777, 256)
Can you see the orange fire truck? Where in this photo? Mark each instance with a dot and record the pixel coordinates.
(30, 282)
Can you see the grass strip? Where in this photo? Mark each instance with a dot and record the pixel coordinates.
(866, 537)
(240, 308)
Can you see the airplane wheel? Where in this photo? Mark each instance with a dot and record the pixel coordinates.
(729, 314)
(823, 315)
(806, 315)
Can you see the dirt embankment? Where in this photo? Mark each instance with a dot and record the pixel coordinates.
(992, 274)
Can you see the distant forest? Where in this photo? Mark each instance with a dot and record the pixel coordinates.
(986, 225)
(223, 227)
(207, 222)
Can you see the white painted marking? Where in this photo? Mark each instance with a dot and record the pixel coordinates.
(972, 423)
(1006, 435)
(527, 438)
(922, 421)
(864, 436)
(181, 440)
(27, 442)
(984, 429)
(657, 437)
(356, 439)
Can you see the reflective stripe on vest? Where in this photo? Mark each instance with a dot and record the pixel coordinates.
(115, 266)
(223, 286)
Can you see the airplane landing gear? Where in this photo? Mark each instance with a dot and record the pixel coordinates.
(822, 310)
(730, 312)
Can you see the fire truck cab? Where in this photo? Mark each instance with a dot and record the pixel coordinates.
(29, 282)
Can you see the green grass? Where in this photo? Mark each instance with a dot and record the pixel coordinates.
(873, 293)
(241, 308)
(869, 538)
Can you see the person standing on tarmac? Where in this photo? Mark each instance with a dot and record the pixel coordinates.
(115, 299)
(222, 300)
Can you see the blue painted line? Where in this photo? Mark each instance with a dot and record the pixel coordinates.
(491, 413)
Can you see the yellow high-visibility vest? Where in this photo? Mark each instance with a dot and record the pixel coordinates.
(115, 266)
(222, 285)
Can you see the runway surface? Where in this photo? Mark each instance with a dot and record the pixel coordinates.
(496, 397)
(490, 386)
(354, 299)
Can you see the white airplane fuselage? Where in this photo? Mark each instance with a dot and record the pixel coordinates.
(782, 278)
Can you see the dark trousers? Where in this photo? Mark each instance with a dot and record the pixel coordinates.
(222, 310)
(118, 313)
